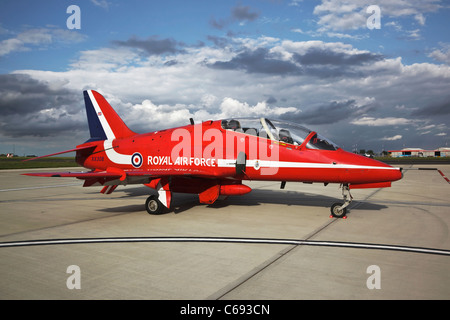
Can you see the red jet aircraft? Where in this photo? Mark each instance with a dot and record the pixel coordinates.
(213, 157)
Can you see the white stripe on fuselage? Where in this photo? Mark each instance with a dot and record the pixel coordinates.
(224, 163)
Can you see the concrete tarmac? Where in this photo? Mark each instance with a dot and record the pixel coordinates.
(414, 212)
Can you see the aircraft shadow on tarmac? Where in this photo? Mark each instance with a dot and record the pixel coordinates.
(183, 202)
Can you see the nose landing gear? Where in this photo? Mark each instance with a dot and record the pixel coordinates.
(339, 210)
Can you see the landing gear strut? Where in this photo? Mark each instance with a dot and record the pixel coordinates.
(339, 210)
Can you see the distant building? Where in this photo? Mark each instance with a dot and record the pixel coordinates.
(418, 152)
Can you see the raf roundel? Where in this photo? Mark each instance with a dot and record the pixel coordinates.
(136, 160)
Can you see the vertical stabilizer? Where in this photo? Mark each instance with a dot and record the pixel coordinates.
(104, 122)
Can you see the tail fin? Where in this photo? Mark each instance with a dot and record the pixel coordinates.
(104, 122)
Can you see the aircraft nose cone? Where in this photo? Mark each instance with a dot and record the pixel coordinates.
(373, 171)
(389, 172)
(399, 174)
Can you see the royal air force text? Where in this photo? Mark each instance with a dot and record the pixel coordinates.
(180, 161)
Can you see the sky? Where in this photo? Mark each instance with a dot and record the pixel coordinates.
(371, 75)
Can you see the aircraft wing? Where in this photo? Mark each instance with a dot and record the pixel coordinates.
(123, 176)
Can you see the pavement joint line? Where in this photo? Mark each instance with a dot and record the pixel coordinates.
(41, 187)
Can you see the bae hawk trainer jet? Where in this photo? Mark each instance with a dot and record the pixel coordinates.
(212, 158)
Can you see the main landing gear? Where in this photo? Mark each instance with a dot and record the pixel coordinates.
(153, 205)
(339, 210)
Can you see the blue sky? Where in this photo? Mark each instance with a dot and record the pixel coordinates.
(161, 62)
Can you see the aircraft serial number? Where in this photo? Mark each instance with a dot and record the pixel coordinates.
(98, 158)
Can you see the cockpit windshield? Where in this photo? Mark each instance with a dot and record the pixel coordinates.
(276, 130)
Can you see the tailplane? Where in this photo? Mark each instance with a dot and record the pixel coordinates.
(104, 122)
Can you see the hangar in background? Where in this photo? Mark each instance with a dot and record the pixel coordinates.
(418, 152)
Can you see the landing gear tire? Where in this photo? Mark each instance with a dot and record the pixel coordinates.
(339, 210)
(153, 205)
(336, 210)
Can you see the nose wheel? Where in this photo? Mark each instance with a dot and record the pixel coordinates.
(339, 210)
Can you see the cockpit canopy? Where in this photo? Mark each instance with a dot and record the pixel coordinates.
(276, 130)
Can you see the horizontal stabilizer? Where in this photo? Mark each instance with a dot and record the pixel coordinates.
(79, 175)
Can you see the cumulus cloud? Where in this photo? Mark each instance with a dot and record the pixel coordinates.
(153, 45)
(233, 108)
(101, 3)
(38, 37)
(396, 137)
(31, 107)
(442, 54)
(155, 115)
(339, 15)
(323, 114)
(21, 94)
(379, 122)
(322, 56)
(239, 13)
(243, 13)
(165, 115)
(314, 58)
(258, 61)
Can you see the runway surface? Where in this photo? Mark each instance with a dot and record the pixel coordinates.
(268, 244)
